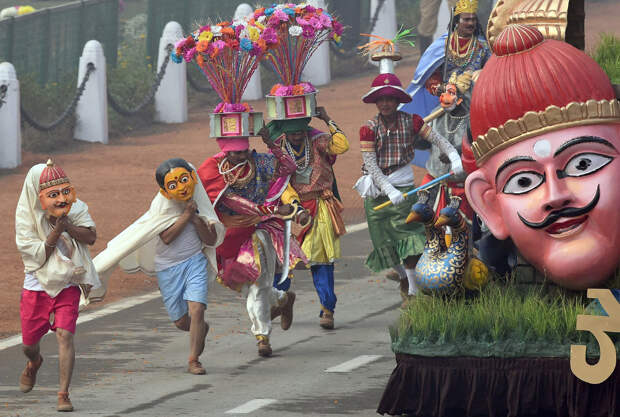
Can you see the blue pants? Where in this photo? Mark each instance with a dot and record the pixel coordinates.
(323, 278)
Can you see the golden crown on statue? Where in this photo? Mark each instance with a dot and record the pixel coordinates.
(466, 6)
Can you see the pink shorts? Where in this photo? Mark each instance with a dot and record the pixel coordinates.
(36, 308)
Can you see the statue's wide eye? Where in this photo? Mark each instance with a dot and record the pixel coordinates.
(585, 164)
(523, 182)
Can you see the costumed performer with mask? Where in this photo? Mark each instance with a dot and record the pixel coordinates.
(174, 240)
(53, 230)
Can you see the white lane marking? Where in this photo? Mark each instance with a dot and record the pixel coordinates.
(356, 227)
(251, 406)
(118, 306)
(130, 302)
(86, 317)
(348, 366)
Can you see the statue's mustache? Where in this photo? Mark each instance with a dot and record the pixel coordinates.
(564, 212)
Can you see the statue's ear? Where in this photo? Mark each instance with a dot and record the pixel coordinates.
(483, 199)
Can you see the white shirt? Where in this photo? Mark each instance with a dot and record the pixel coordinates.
(186, 245)
(31, 283)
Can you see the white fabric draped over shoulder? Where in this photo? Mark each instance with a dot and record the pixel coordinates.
(135, 247)
(31, 231)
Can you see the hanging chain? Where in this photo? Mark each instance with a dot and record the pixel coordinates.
(3, 89)
(150, 96)
(44, 127)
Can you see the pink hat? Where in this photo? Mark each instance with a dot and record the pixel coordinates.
(386, 85)
(234, 144)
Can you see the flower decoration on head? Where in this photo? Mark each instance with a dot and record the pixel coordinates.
(386, 46)
(292, 33)
(228, 53)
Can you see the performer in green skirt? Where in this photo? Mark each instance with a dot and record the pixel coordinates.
(387, 145)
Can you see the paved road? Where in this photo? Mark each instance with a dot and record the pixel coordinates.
(132, 362)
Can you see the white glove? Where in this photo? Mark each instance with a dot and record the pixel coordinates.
(456, 165)
(395, 196)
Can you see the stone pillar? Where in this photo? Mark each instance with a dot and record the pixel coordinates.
(92, 108)
(10, 117)
(171, 96)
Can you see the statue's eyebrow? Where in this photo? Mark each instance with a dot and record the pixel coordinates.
(511, 161)
(583, 139)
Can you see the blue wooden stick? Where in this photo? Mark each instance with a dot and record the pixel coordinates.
(415, 190)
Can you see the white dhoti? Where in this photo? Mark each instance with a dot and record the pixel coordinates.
(261, 295)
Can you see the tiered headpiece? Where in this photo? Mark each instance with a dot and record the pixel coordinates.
(531, 86)
(386, 52)
(294, 32)
(52, 175)
(466, 6)
(228, 54)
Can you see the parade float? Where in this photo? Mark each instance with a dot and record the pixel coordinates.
(543, 340)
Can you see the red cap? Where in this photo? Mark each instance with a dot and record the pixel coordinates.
(528, 73)
(52, 175)
(386, 85)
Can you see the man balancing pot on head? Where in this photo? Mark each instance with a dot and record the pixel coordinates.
(53, 229)
(312, 183)
(245, 188)
(387, 143)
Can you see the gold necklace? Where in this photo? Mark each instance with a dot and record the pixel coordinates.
(233, 177)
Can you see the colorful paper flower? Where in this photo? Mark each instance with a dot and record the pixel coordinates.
(283, 17)
(308, 88)
(270, 36)
(246, 44)
(228, 31)
(189, 54)
(259, 12)
(269, 11)
(176, 58)
(254, 34)
(205, 36)
(338, 28)
(315, 23)
(256, 49)
(219, 44)
(308, 32)
(202, 46)
(295, 30)
(326, 22)
(283, 91)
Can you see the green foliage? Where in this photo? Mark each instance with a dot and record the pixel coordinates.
(497, 314)
(129, 83)
(45, 103)
(607, 55)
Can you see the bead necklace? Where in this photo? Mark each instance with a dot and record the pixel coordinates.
(462, 61)
(291, 152)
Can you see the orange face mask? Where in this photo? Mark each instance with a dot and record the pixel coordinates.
(179, 184)
(57, 199)
(449, 99)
